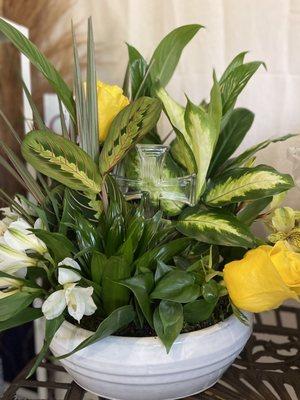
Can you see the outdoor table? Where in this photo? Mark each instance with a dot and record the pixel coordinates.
(267, 369)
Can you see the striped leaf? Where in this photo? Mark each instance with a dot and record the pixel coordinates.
(246, 184)
(215, 227)
(129, 126)
(61, 160)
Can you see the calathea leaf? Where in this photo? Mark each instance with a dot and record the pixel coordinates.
(168, 52)
(246, 184)
(62, 160)
(231, 136)
(127, 128)
(168, 322)
(203, 127)
(215, 227)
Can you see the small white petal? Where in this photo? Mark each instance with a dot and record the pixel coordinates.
(80, 302)
(66, 275)
(54, 305)
(39, 224)
(20, 238)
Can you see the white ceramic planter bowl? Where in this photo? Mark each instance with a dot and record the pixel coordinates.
(127, 368)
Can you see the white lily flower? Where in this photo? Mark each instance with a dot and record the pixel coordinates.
(78, 299)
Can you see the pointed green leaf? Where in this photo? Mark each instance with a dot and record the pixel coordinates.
(21, 318)
(236, 62)
(137, 69)
(246, 184)
(129, 126)
(61, 160)
(215, 227)
(253, 209)
(198, 311)
(59, 245)
(168, 52)
(15, 303)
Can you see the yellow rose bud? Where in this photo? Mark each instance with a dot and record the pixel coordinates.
(110, 102)
(254, 283)
(287, 263)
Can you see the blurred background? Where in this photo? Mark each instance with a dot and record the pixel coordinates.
(268, 29)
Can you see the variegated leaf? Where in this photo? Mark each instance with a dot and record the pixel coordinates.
(127, 128)
(246, 184)
(61, 160)
(215, 227)
(203, 127)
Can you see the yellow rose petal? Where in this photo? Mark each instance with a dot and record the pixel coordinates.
(254, 284)
(287, 263)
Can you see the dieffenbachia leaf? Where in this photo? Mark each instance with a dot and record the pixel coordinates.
(129, 126)
(37, 59)
(215, 227)
(62, 160)
(247, 154)
(203, 127)
(168, 52)
(231, 136)
(246, 184)
(236, 62)
(251, 211)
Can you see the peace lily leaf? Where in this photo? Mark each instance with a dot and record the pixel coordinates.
(21, 318)
(198, 311)
(168, 322)
(51, 328)
(61, 160)
(129, 126)
(168, 52)
(215, 227)
(231, 136)
(235, 82)
(247, 154)
(203, 127)
(115, 321)
(246, 184)
(236, 62)
(252, 210)
(37, 59)
(178, 286)
(141, 286)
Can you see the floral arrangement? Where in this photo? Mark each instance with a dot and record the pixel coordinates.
(149, 264)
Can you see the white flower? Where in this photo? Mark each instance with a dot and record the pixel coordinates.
(78, 299)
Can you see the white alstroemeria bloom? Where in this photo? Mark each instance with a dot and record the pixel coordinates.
(78, 299)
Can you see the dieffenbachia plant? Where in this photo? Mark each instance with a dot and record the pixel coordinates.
(107, 263)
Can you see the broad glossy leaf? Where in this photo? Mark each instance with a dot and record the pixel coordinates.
(129, 126)
(161, 270)
(203, 127)
(58, 245)
(21, 318)
(231, 136)
(61, 160)
(253, 209)
(246, 184)
(178, 286)
(15, 303)
(98, 263)
(141, 285)
(211, 291)
(198, 311)
(168, 322)
(168, 52)
(37, 59)
(215, 227)
(116, 320)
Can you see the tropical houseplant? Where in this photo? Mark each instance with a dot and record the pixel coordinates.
(122, 249)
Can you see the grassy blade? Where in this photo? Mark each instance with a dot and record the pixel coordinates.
(36, 115)
(64, 128)
(11, 129)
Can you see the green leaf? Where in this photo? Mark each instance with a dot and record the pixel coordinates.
(98, 263)
(39, 123)
(137, 69)
(235, 82)
(129, 126)
(198, 311)
(15, 303)
(215, 227)
(231, 136)
(168, 322)
(21, 318)
(236, 62)
(58, 245)
(252, 210)
(247, 154)
(211, 291)
(168, 52)
(51, 328)
(161, 270)
(61, 160)
(178, 286)
(203, 128)
(141, 285)
(41, 63)
(116, 320)
(246, 184)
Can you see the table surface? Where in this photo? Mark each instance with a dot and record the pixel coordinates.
(267, 369)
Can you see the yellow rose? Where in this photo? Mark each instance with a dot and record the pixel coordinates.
(254, 283)
(287, 263)
(110, 102)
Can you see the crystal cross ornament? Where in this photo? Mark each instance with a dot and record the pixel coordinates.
(152, 183)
